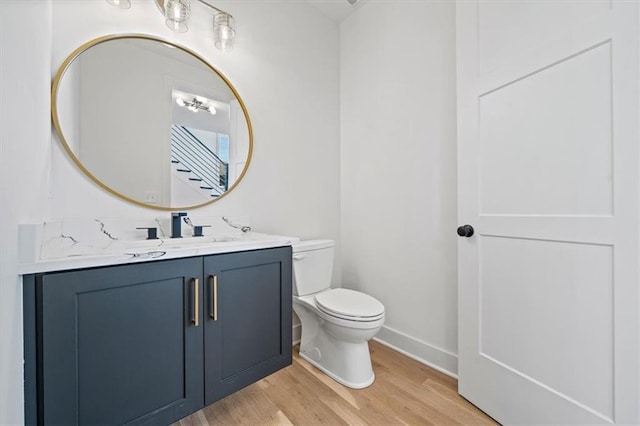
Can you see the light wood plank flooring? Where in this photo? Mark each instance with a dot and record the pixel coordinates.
(405, 392)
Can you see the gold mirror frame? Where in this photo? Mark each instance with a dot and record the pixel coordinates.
(56, 123)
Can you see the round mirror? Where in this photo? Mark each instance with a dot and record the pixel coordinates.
(151, 122)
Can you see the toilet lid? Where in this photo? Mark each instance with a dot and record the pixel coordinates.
(349, 303)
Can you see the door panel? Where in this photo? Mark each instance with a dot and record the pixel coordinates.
(119, 351)
(248, 320)
(251, 311)
(106, 333)
(548, 176)
(554, 316)
(546, 140)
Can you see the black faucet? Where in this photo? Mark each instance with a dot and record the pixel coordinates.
(176, 225)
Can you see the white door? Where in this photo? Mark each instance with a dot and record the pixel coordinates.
(548, 177)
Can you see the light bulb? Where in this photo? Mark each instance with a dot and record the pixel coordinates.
(122, 4)
(202, 99)
(180, 102)
(224, 45)
(192, 108)
(212, 110)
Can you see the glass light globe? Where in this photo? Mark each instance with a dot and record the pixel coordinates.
(177, 13)
(224, 30)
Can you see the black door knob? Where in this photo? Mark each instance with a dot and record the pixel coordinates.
(465, 230)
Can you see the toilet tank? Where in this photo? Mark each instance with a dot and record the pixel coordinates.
(312, 266)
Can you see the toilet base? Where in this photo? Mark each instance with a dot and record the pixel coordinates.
(346, 362)
(337, 347)
(359, 385)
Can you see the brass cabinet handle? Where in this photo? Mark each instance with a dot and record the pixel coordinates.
(196, 284)
(214, 298)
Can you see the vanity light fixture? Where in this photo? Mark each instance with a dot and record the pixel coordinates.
(178, 12)
(196, 104)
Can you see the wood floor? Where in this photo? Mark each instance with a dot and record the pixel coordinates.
(405, 392)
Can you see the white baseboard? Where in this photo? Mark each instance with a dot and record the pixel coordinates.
(425, 353)
(429, 355)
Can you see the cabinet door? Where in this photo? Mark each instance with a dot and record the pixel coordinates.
(248, 318)
(120, 344)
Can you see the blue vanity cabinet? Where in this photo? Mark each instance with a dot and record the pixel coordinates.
(151, 342)
(121, 344)
(247, 323)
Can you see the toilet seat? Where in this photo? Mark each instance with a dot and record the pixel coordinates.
(349, 305)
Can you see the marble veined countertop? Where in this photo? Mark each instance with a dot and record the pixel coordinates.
(74, 244)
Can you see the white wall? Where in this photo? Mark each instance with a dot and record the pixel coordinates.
(285, 67)
(398, 145)
(25, 37)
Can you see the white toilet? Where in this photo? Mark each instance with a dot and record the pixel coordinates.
(336, 323)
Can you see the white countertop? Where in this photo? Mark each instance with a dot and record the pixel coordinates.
(160, 252)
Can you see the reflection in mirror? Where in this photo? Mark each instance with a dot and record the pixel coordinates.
(151, 122)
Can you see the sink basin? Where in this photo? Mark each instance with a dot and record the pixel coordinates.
(180, 242)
